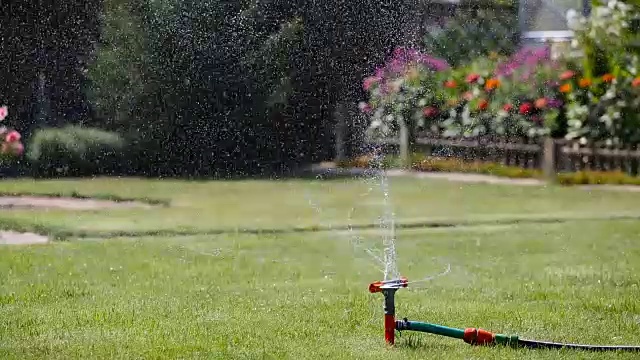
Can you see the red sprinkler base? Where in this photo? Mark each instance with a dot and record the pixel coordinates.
(388, 288)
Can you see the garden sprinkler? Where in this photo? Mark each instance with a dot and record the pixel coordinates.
(471, 336)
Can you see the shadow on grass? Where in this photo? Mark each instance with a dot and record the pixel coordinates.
(423, 342)
(97, 196)
(63, 233)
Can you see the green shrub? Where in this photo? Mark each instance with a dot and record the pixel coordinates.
(473, 34)
(75, 151)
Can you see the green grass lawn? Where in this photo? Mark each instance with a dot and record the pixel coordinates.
(304, 295)
(200, 207)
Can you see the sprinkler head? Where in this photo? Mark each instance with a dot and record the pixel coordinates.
(380, 286)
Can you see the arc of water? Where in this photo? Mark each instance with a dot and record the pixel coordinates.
(387, 221)
(355, 240)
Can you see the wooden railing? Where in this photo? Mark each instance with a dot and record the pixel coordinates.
(549, 155)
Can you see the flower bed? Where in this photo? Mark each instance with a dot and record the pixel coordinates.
(594, 98)
(437, 164)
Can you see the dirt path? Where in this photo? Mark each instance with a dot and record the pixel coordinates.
(61, 203)
(67, 203)
(16, 238)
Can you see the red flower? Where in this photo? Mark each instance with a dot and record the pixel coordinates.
(636, 82)
(450, 84)
(13, 136)
(483, 104)
(567, 75)
(430, 111)
(472, 78)
(526, 108)
(507, 107)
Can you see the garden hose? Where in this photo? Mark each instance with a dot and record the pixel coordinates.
(475, 336)
(471, 336)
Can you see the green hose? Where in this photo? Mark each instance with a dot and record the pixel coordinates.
(431, 329)
(482, 337)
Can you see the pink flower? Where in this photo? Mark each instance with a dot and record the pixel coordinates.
(4, 112)
(369, 82)
(430, 111)
(13, 136)
(365, 108)
(399, 51)
(472, 78)
(396, 65)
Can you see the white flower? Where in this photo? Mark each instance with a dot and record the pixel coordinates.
(606, 119)
(610, 94)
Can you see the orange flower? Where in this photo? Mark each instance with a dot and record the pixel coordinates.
(565, 88)
(567, 75)
(584, 82)
(607, 78)
(636, 82)
(483, 104)
(450, 84)
(492, 84)
(541, 103)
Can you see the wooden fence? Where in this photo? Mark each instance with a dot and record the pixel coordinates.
(549, 155)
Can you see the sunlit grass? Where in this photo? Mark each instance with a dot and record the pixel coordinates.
(304, 296)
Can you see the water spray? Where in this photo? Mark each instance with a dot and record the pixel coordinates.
(472, 336)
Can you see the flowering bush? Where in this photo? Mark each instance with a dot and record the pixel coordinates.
(595, 97)
(513, 97)
(404, 91)
(603, 89)
(10, 144)
(605, 108)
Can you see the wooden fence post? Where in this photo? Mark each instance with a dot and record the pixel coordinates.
(549, 158)
(340, 136)
(404, 145)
